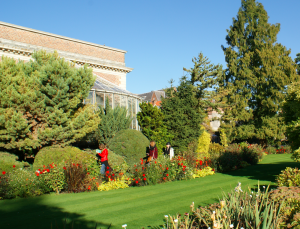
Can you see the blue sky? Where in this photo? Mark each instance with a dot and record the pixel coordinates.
(161, 36)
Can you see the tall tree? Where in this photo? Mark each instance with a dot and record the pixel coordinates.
(151, 121)
(297, 61)
(183, 116)
(41, 102)
(258, 72)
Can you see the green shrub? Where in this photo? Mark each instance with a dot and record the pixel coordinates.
(252, 154)
(271, 150)
(117, 162)
(215, 150)
(289, 199)
(60, 156)
(131, 144)
(21, 183)
(289, 177)
(8, 162)
(296, 155)
(53, 177)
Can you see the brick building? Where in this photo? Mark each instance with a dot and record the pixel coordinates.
(108, 63)
(153, 97)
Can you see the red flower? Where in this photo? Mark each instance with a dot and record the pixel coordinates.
(107, 167)
(178, 163)
(3, 172)
(39, 170)
(164, 178)
(107, 172)
(44, 166)
(167, 175)
(134, 165)
(183, 169)
(155, 162)
(136, 182)
(37, 174)
(14, 166)
(145, 178)
(77, 165)
(144, 175)
(89, 187)
(184, 166)
(167, 168)
(88, 173)
(94, 178)
(133, 179)
(48, 170)
(113, 174)
(143, 168)
(136, 170)
(181, 163)
(64, 168)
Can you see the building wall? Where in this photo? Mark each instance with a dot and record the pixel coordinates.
(20, 42)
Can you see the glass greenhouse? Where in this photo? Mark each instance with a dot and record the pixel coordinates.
(117, 96)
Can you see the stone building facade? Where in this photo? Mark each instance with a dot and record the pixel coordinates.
(108, 64)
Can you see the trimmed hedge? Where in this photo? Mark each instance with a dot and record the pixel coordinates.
(8, 162)
(131, 144)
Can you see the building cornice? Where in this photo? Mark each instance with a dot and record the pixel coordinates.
(78, 62)
(60, 37)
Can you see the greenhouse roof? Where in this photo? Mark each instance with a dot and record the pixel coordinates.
(106, 86)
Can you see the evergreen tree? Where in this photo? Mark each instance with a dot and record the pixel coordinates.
(112, 121)
(41, 102)
(151, 121)
(183, 116)
(259, 69)
(297, 61)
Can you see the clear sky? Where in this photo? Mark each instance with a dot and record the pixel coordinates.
(160, 36)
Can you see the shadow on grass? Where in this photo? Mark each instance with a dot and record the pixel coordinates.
(263, 172)
(31, 213)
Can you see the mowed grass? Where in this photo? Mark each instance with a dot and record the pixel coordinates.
(137, 207)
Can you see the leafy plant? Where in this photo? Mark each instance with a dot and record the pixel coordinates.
(296, 155)
(54, 179)
(8, 162)
(131, 144)
(204, 143)
(289, 177)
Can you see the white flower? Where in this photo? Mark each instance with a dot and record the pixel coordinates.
(214, 212)
(124, 226)
(166, 216)
(231, 225)
(175, 220)
(250, 195)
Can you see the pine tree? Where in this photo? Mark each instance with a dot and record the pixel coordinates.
(41, 102)
(151, 121)
(183, 116)
(112, 121)
(258, 71)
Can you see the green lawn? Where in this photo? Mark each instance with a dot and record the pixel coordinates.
(136, 207)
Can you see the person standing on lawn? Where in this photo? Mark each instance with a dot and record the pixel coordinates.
(102, 153)
(169, 151)
(152, 151)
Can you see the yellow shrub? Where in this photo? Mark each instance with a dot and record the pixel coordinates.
(203, 172)
(114, 184)
(203, 144)
(223, 137)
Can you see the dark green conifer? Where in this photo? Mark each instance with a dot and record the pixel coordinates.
(258, 72)
(183, 116)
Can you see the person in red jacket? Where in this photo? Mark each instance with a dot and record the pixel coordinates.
(152, 151)
(102, 153)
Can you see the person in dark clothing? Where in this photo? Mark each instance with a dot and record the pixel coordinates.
(169, 151)
(151, 151)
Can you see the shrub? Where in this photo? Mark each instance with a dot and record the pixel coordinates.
(59, 156)
(215, 150)
(252, 154)
(131, 144)
(296, 155)
(204, 142)
(229, 160)
(21, 183)
(289, 177)
(8, 162)
(53, 177)
(271, 150)
(114, 184)
(203, 172)
(289, 198)
(223, 138)
(117, 162)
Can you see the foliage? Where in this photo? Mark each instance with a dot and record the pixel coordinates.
(205, 77)
(182, 114)
(235, 210)
(151, 121)
(223, 138)
(203, 172)
(41, 102)
(77, 178)
(297, 61)
(114, 184)
(131, 144)
(291, 115)
(215, 150)
(190, 155)
(21, 183)
(203, 144)
(8, 162)
(289, 177)
(270, 149)
(289, 198)
(117, 162)
(112, 121)
(296, 155)
(259, 71)
(54, 179)
(60, 156)
(237, 156)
